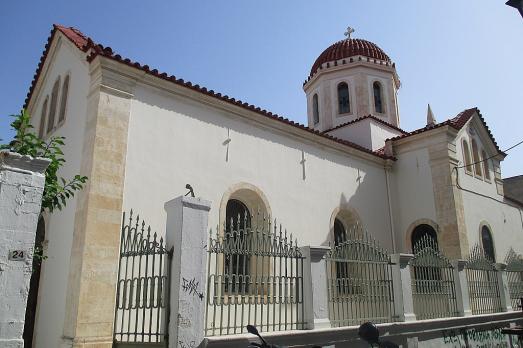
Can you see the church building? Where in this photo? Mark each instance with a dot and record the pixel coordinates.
(141, 135)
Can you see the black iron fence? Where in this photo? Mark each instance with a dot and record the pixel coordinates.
(142, 295)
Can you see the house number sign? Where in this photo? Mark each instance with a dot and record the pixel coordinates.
(17, 255)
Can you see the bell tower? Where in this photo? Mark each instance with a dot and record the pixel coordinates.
(351, 79)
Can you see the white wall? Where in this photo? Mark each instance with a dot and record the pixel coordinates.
(413, 195)
(359, 133)
(379, 133)
(173, 142)
(60, 224)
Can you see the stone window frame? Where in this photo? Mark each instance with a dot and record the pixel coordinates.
(248, 194)
(315, 107)
(43, 118)
(347, 215)
(478, 172)
(351, 104)
(55, 96)
(482, 224)
(486, 166)
(467, 162)
(382, 98)
(412, 227)
(64, 99)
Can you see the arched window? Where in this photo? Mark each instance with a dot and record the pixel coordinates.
(378, 103)
(420, 232)
(475, 157)
(343, 98)
(63, 101)
(486, 168)
(466, 156)
(315, 109)
(52, 107)
(340, 235)
(236, 265)
(488, 243)
(41, 130)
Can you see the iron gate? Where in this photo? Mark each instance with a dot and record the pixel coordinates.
(142, 295)
(359, 279)
(433, 287)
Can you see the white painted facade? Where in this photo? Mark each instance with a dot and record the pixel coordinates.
(66, 60)
(178, 136)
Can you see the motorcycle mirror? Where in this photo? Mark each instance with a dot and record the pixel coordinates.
(253, 330)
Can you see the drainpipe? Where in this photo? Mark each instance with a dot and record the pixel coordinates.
(387, 168)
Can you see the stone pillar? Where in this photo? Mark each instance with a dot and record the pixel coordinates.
(462, 288)
(91, 288)
(401, 280)
(315, 289)
(504, 293)
(186, 231)
(21, 186)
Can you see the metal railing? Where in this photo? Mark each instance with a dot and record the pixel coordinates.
(255, 276)
(359, 278)
(515, 278)
(433, 287)
(482, 278)
(142, 295)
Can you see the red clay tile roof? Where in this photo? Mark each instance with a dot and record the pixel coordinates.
(457, 122)
(86, 44)
(349, 48)
(363, 118)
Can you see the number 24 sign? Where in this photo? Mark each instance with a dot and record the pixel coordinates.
(17, 255)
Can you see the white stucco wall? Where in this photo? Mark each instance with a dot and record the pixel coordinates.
(483, 205)
(358, 133)
(173, 142)
(412, 193)
(60, 224)
(379, 133)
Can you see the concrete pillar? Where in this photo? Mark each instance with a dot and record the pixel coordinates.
(504, 293)
(401, 280)
(21, 186)
(462, 288)
(315, 290)
(186, 231)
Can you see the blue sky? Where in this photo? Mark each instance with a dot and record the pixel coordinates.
(451, 54)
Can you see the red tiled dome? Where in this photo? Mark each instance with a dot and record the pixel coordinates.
(349, 48)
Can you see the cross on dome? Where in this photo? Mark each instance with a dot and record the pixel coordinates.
(349, 31)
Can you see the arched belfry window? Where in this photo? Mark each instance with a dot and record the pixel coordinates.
(487, 243)
(466, 156)
(63, 100)
(343, 98)
(423, 231)
(52, 107)
(41, 130)
(486, 168)
(236, 264)
(378, 97)
(315, 109)
(475, 156)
